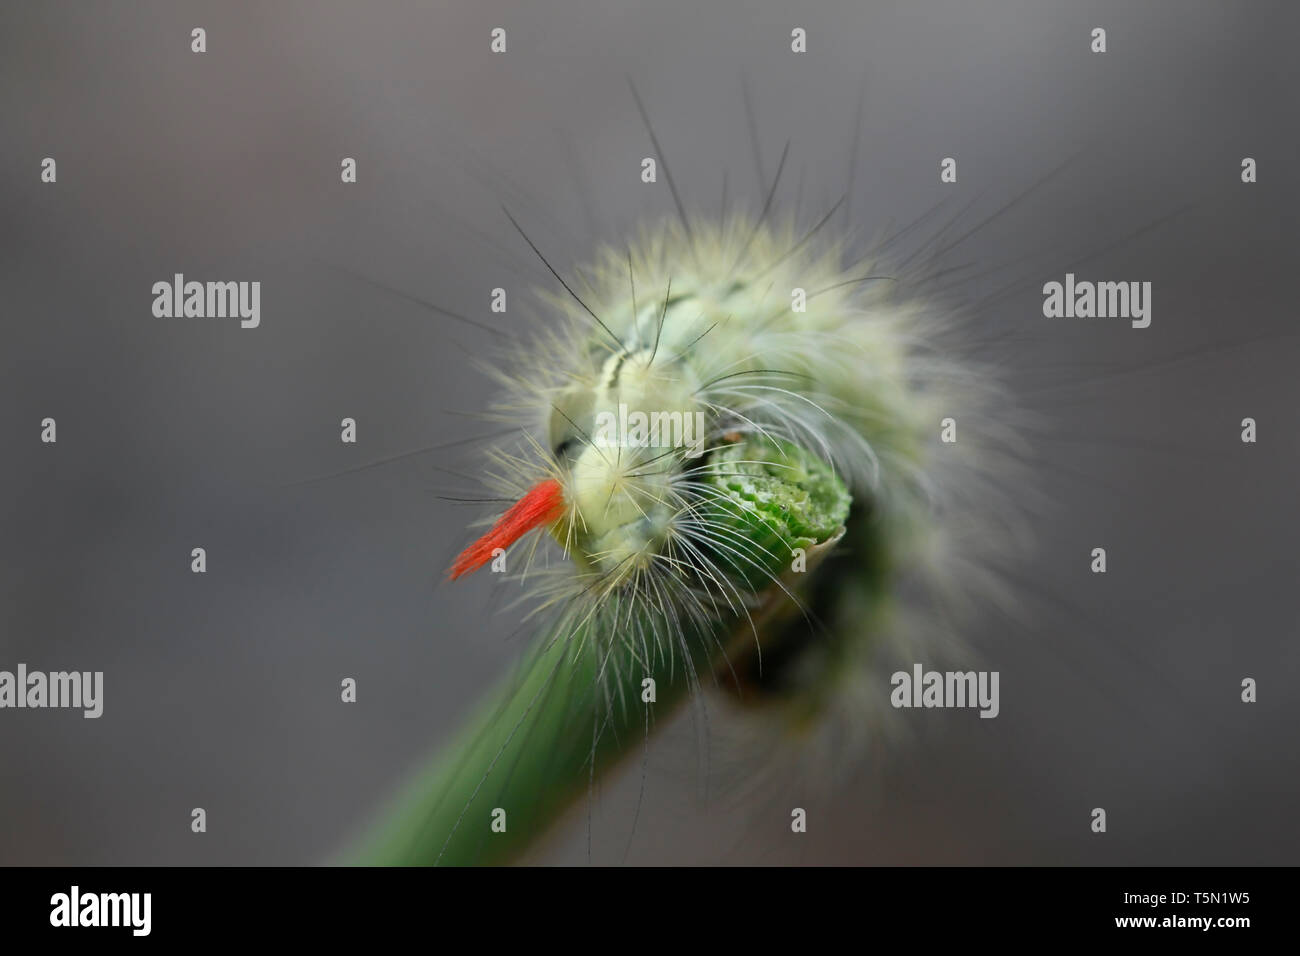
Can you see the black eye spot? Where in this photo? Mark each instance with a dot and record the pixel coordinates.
(564, 446)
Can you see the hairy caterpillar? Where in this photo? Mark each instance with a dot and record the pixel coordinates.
(705, 405)
(702, 323)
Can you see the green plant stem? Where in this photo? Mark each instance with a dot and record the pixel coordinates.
(554, 728)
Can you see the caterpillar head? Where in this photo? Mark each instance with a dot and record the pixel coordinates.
(623, 448)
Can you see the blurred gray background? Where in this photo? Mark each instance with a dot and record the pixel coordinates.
(222, 690)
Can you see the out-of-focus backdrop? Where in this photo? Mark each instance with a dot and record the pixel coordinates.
(1120, 691)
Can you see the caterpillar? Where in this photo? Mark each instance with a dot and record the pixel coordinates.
(735, 462)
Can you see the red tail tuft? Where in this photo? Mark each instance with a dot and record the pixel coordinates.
(543, 504)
